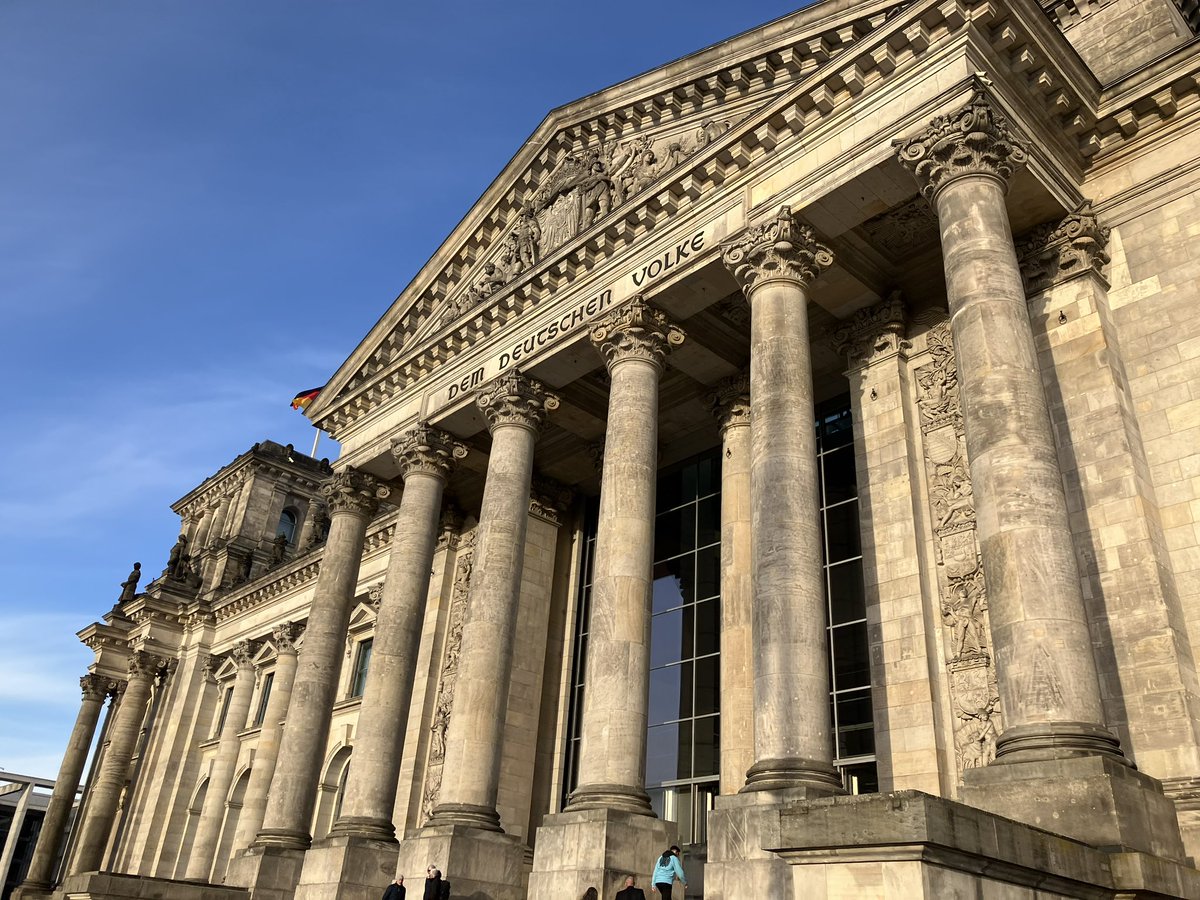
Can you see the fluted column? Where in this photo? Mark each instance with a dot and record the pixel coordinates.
(634, 341)
(775, 263)
(219, 520)
(515, 407)
(266, 752)
(353, 499)
(1049, 689)
(426, 457)
(41, 867)
(114, 769)
(220, 778)
(731, 405)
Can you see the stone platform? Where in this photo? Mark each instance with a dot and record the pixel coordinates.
(107, 886)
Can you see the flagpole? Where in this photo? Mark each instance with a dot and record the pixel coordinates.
(316, 440)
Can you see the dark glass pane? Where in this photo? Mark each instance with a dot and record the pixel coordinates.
(708, 627)
(846, 600)
(670, 587)
(708, 685)
(841, 531)
(861, 778)
(685, 750)
(837, 425)
(665, 695)
(708, 521)
(657, 802)
(708, 573)
(674, 532)
(707, 760)
(838, 469)
(662, 753)
(688, 483)
(708, 474)
(666, 638)
(851, 657)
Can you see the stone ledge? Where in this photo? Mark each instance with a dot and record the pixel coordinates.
(109, 886)
(910, 826)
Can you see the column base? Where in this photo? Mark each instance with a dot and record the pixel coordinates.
(793, 772)
(1099, 800)
(596, 848)
(610, 796)
(29, 890)
(1057, 740)
(283, 839)
(739, 828)
(466, 814)
(270, 873)
(347, 867)
(112, 886)
(364, 827)
(476, 862)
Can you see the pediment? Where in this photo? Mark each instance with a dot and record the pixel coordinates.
(580, 173)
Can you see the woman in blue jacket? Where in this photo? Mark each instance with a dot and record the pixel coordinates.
(666, 870)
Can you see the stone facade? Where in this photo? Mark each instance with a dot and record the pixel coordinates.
(956, 620)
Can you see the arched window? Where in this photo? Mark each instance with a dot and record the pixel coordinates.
(287, 525)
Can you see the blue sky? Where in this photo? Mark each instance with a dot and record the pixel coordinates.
(205, 205)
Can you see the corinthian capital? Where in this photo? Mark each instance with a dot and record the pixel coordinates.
(1057, 251)
(973, 141)
(873, 333)
(636, 330)
(243, 652)
(781, 249)
(514, 399)
(353, 491)
(95, 687)
(285, 636)
(429, 450)
(145, 665)
(731, 401)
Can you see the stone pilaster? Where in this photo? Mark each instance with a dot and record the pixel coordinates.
(731, 406)
(94, 830)
(634, 341)
(266, 751)
(1055, 743)
(220, 777)
(776, 263)
(38, 878)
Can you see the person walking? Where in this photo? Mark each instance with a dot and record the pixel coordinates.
(666, 870)
(395, 890)
(631, 891)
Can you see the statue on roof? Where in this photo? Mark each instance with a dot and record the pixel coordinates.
(178, 553)
(129, 585)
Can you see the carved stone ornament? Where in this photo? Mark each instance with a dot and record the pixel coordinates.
(781, 248)
(95, 687)
(871, 334)
(450, 523)
(514, 399)
(353, 491)
(1058, 251)
(243, 652)
(973, 141)
(375, 595)
(549, 499)
(595, 452)
(285, 636)
(212, 662)
(731, 401)
(145, 665)
(584, 187)
(636, 330)
(428, 450)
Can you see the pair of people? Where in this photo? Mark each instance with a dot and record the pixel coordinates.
(630, 892)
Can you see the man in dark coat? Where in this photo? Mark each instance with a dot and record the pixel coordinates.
(631, 891)
(433, 885)
(395, 890)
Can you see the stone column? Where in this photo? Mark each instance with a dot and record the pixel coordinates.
(266, 752)
(731, 405)
(426, 457)
(217, 532)
(1049, 690)
(50, 839)
(515, 407)
(634, 341)
(775, 263)
(353, 499)
(220, 778)
(101, 810)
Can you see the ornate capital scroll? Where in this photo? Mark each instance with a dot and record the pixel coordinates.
(1058, 251)
(781, 248)
(871, 333)
(353, 491)
(285, 636)
(143, 664)
(212, 662)
(95, 687)
(973, 141)
(428, 450)
(243, 652)
(549, 499)
(514, 399)
(731, 401)
(636, 330)
(375, 595)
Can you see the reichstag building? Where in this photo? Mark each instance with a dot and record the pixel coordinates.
(793, 456)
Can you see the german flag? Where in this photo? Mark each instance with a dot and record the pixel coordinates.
(304, 398)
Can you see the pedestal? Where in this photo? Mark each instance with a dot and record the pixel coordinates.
(477, 863)
(1094, 799)
(271, 873)
(111, 886)
(596, 848)
(347, 867)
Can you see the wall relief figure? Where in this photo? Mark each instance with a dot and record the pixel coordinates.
(971, 671)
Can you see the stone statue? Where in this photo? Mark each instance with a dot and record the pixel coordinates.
(129, 585)
(278, 548)
(178, 553)
(320, 526)
(247, 568)
(528, 235)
